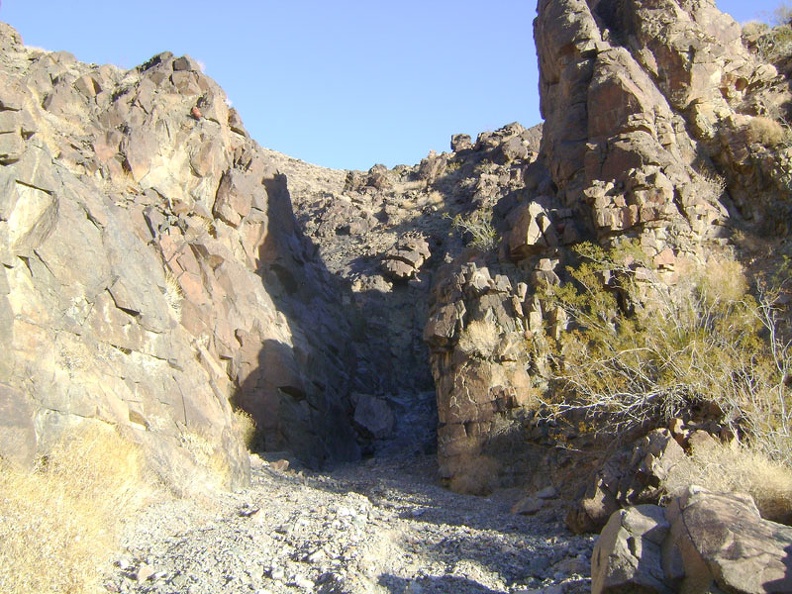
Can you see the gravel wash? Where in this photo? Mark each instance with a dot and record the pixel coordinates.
(383, 526)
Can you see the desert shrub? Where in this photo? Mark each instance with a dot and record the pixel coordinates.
(782, 15)
(771, 43)
(477, 228)
(723, 468)
(58, 524)
(640, 352)
(774, 44)
(708, 186)
(766, 131)
(246, 427)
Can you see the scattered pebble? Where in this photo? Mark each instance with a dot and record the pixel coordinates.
(381, 528)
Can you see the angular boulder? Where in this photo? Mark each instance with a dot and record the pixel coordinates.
(703, 542)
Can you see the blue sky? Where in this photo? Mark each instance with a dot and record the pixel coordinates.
(344, 83)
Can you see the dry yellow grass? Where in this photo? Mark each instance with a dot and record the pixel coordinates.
(174, 294)
(766, 131)
(480, 337)
(721, 468)
(246, 427)
(58, 524)
(212, 472)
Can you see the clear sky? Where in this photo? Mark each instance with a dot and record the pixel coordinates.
(339, 83)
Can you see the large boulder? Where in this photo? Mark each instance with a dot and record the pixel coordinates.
(703, 542)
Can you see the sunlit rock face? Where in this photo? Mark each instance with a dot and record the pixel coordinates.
(152, 271)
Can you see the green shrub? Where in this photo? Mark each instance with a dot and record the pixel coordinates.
(477, 228)
(640, 351)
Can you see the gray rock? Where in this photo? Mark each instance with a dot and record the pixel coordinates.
(723, 541)
(631, 475)
(628, 554)
(461, 142)
(528, 506)
(406, 257)
(703, 542)
(18, 441)
(375, 416)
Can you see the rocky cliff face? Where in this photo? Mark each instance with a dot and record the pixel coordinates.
(643, 99)
(662, 134)
(153, 270)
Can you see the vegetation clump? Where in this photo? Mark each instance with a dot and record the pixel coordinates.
(59, 523)
(477, 228)
(773, 43)
(640, 351)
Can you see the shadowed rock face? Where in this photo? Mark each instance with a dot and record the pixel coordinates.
(152, 269)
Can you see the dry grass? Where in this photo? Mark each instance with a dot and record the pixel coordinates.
(721, 468)
(59, 524)
(766, 132)
(722, 280)
(709, 187)
(480, 337)
(174, 294)
(246, 427)
(207, 453)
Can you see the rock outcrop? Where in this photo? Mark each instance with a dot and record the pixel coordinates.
(656, 136)
(703, 542)
(632, 476)
(640, 100)
(152, 270)
(391, 234)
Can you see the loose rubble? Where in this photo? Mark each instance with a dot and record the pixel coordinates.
(383, 526)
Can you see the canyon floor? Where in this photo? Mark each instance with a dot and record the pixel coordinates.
(383, 526)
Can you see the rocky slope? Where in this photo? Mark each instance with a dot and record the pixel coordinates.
(378, 527)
